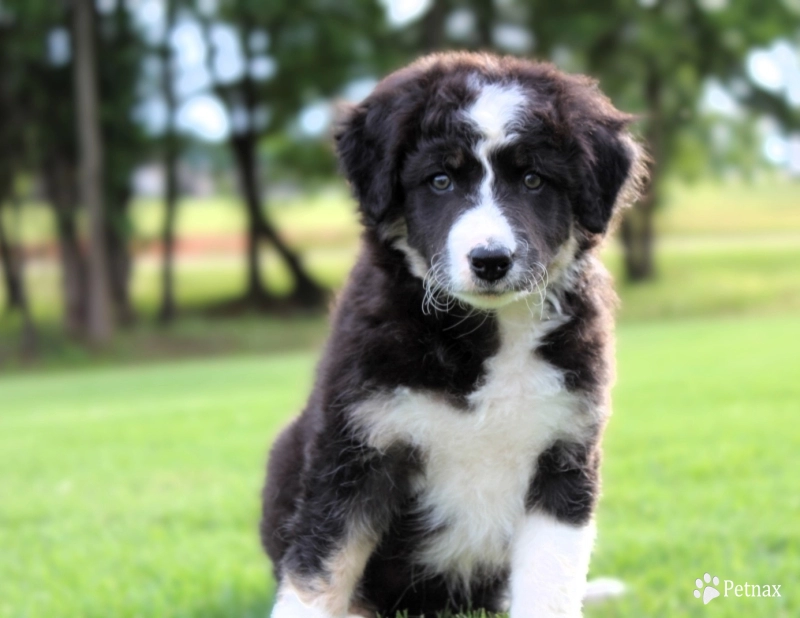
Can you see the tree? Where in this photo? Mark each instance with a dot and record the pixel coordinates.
(10, 143)
(39, 48)
(16, 293)
(12, 273)
(171, 152)
(288, 60)
(100, 320)
(124, 141)
(43, 134)
(12, 139)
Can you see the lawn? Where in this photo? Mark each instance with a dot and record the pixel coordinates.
(132, 491)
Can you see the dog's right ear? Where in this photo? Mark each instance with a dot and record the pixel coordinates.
(371, 139)
(365, 143)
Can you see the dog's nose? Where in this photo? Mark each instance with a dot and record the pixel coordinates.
(490, 263)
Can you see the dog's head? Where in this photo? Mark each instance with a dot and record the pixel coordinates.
(488, 173)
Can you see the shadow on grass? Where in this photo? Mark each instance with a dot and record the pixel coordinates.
(262, 608)
(230, 608)
(191, 336)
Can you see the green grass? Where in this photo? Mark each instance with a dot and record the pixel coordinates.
(132, 492)
(767, 207)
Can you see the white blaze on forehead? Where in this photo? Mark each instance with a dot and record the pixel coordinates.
(496, 110)
(494, 114)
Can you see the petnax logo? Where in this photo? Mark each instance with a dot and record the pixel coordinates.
(708, 589)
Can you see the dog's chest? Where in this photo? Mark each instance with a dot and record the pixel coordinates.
(478, 463)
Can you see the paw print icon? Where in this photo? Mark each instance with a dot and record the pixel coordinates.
(706, 588)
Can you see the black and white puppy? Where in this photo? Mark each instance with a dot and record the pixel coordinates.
(448, 456)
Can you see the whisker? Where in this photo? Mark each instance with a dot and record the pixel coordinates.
(479, 326)
(537, 280)
(469, 314)
(436, 299)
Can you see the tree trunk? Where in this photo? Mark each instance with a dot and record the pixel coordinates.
(168, 307)
(120, 265)
(637, 231)
(59, 180)
(306, 292)
(636, 234)
(15, 290)
(433, 35)
(484, 24)
(244, 147)
(15, 298)
(73, 277)
(100, 324)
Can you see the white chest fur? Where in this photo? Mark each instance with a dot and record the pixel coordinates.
(479, 462)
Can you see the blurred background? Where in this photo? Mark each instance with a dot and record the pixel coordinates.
(173, 229)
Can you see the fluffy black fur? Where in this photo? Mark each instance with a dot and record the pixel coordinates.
(323, 479)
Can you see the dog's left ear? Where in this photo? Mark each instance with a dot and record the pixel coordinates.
(612, 172)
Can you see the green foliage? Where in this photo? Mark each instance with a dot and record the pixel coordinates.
(298, 161)
(33, 83)
(317, 46)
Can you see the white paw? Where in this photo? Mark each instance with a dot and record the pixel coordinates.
(602, 589)
(538, 611)
(289, 605)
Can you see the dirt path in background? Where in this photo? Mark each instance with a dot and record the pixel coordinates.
(206, 245)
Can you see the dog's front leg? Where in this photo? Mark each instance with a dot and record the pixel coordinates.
(326, 593)
(350, 494)
(550, 556)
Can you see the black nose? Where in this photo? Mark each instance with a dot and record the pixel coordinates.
(490, 264)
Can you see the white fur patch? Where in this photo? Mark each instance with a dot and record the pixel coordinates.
(479, 462)
(329, 596)
(416, 262)
(602, 589)
(549, 566)
(289, 605)
(496, 110)
(494, 114)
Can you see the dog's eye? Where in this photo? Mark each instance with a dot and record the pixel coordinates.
(533, 181)
(441, 182)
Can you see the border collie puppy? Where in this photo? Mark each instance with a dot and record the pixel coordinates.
(448, 456)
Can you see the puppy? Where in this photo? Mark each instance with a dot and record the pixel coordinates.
(448, 456)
